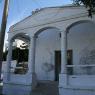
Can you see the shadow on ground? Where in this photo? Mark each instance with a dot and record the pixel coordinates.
(46, 88)
(43, 88)
(1, 90)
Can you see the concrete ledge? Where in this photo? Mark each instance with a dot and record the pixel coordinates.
(78, 87)
(81, 80)
(17, 89)
(76, 91)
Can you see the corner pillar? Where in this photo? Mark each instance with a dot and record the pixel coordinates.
(63, 80)
(9, 58)
(31, 63)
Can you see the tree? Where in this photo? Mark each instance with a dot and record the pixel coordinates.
(90, 4)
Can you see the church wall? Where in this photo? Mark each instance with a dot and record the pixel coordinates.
(47, 42)
(81, 39)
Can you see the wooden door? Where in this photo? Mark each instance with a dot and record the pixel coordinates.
(57, 64)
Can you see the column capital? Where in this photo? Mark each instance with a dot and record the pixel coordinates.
(63, 31)
(33, 37)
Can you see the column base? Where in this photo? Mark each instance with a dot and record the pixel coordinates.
(34, 81)
(63, 80)
(18, 89)
(19, 84)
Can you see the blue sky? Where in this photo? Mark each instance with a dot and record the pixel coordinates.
(19, 9)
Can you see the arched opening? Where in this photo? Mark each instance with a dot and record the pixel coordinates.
(48, 57)
(19, 56)
(47, 45)
(81, 40)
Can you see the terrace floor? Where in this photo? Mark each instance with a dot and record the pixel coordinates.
(44, 88)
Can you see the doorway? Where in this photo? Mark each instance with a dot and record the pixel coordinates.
(58, 63)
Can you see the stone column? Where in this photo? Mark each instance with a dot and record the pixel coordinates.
(31, 62)
(63, 52)
(9, 57)
(63, 80)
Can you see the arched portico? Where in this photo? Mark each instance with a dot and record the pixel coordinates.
(83, 39)
(21, 36)
(62, 42)
(17, 79)
(80, 39)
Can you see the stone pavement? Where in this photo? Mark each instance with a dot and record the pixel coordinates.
(46, 88)
(0, 90)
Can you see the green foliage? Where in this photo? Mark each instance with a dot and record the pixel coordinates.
(21, 55)
(88, 3)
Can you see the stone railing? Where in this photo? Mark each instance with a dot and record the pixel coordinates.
(81, 69)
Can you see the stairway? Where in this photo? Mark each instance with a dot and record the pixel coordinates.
(46, 88)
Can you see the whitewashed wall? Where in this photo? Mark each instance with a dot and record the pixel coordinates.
(4, 65)
(47, 42)
(81, 39)
(59, 17)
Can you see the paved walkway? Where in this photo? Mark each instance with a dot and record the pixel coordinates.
(0, 90)
(46, 88)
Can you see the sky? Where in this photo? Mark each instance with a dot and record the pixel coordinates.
(19, 9)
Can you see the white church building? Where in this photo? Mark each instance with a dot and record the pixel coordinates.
(61, 48)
